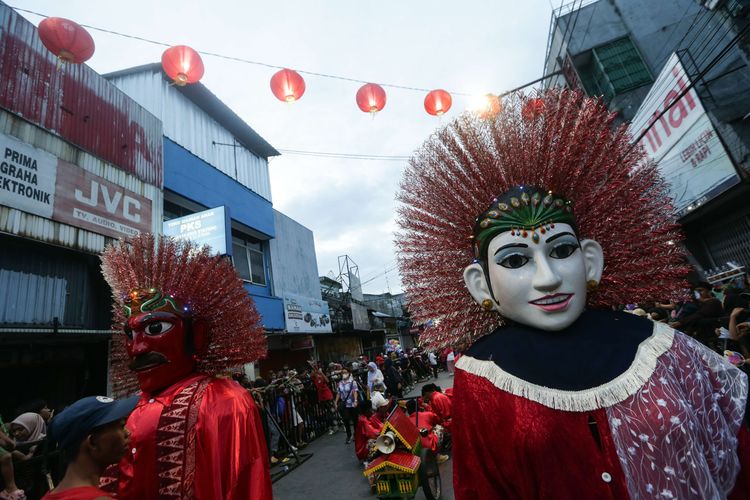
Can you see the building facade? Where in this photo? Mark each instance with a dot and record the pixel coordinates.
(679, 69)
(212, 158)
(81, 165)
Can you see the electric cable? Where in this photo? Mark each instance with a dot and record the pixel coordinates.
(249, 61)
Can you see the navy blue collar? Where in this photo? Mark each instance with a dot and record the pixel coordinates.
(597, 348)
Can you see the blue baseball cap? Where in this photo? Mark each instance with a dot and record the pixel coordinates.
(78, 420)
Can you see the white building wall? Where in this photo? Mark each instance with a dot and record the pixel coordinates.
(295, 267)
(193, 129)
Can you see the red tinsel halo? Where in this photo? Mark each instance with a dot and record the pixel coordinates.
(571, 147)
(208, 284)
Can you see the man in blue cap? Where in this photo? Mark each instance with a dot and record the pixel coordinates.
(92, 434)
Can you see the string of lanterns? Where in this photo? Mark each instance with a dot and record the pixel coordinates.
(73, 44)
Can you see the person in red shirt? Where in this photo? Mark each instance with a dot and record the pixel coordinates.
(325, 395)
(92, 434)
(185, 318)
(367, 430)
(429, 428)
(440, 404)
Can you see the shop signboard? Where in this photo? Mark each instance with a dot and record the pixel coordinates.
(27, 177)
(37, 182)
(209, 227)
(88, 201)
(682, 140)
(306, 315)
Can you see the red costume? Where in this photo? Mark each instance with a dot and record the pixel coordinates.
(366, 429)
(441, 405)
(80, 493)
(186, 317)
(321, 384)
(427, 420)
(564, 401)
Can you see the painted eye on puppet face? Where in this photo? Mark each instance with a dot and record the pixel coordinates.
(514, 261)
(157, 328)
(563, 250)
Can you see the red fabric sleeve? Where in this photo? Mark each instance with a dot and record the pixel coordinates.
(365, 431)
(231, 457)
(742, 485)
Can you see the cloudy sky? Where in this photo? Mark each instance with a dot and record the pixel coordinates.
(470, 47)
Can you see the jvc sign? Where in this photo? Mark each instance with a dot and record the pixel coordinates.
(91, 202)
(680, 138)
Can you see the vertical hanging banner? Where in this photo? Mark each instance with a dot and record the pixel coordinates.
(682, 141)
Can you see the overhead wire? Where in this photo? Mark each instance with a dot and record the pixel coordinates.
(727, 48)
(249, 61)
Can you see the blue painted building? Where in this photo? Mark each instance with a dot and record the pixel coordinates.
(213, 158)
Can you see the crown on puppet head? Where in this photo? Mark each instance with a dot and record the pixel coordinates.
(526, 211)
(141, 301)
(568, 148)
(148, 273)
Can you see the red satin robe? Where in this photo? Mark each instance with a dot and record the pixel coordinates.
(366, 429)
(441, 405)
(427, 420)
(226, 455)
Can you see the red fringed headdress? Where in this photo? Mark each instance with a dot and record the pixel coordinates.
(207, 285)
(559, 141)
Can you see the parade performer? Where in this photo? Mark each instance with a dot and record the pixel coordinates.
(183, 317)
(559, 396)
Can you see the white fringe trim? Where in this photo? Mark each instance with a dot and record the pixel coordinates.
(608, 394)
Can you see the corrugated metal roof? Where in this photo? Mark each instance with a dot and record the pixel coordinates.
(191, 119)
(211, 104)
(75, 102)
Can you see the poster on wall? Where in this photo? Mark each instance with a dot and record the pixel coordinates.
(27, 177)
(209, 227)
(306, 315)
(682, 141)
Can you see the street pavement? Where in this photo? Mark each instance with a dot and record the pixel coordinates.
(334, 473)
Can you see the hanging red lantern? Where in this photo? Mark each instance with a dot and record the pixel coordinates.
(287, 85)
(182, 64)
(66, 39)
(371, 98)
(532, 108)
(437, 102)
(486, 106)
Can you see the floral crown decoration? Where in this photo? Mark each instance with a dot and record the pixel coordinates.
(524, 211)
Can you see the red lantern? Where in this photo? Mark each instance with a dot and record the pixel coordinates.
(487, 106)
(371, 98)
(66, 39)
(287, 85)
(437, 102)
(182, 64)
(532, 108)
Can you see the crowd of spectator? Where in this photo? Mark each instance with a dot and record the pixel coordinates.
(717, 315)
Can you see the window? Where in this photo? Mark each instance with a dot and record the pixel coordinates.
(247, 254)
(614, 68)
(173, 211)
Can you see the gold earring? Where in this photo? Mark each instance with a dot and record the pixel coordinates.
(592, 285)
(487, 304)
